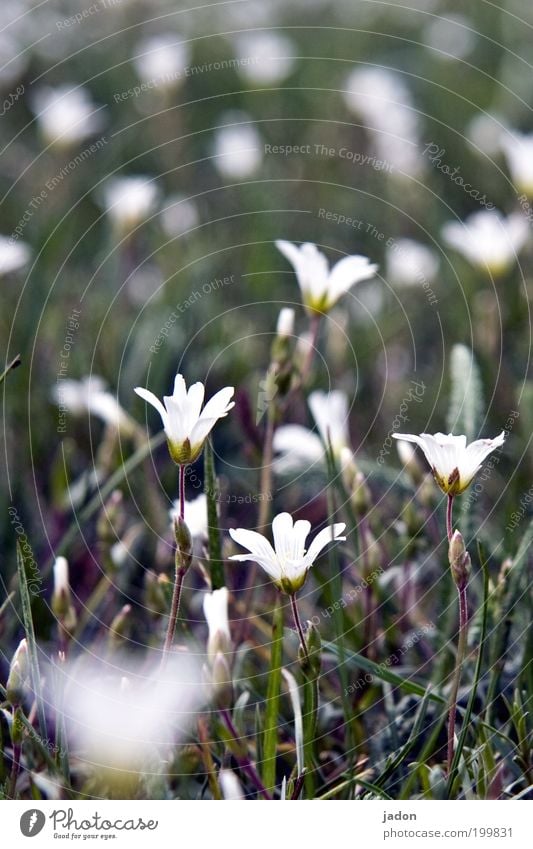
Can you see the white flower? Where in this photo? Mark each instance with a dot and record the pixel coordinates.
(409, 263)
(90, 395)
(162, 60)
(484, 132)
(453, 463)
(18, 674)
(195, 515)
(298, 447)
(178, 215)
(216, 614)
(383, 100)
(321, 287)
(186, 425)
(265, 57)
(330, 412)
(117, 718)
(238, 149)
(450, 38)
(288, 562)
(13, 255)
(66, 115)
(487, 239)
(518, 149)
(285, 325)
(130, 200)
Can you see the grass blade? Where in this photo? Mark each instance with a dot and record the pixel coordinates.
(33, 658)
(216, 565)
(270, 731)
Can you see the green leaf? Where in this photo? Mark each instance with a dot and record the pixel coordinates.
(270, 728)
(33, 658)
(216, 565)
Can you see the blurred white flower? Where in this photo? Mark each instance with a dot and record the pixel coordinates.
(485, 131)
(14, 255)
(487, 239)
(195, 516)
(61, 582)
(330, 412)
(321, 287)
(265, 58)
(216, 615)
(452, 461)
(299, 448)
(90, 395)
(66, 115)
(238, 148)
(518, 149)
(117, 718)
(145, 283)
(128, 201)
(450, 38)
(186, 425)
(162, 60)
(409, 262)
(384, 102)
(288, 563)
(178, 215)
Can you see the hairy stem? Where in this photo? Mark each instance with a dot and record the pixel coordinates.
(461, 651)
(449, 522)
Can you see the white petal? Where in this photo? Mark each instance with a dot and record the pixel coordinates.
(193, 405)
(180, 389)
(326, 536)
(258, 546)
(219, 405)
(282, 531)
(152, 399)
(346, 273)
(177, 430)
(299, 447)
(476, 453)
(201, 431)
(216, 611)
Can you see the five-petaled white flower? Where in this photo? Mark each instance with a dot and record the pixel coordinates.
(216, 614)
(321, 287)
(186, 425)
(453, 463)
(288, 562)
(487, 239)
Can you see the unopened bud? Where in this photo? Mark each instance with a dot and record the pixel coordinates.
(361, 498)
(371, 554)
(183, 543)
(62, 606)
(459, 559)
(222, 681)
(311, 664)
(18, 674)
(285, 326)
(506, 567)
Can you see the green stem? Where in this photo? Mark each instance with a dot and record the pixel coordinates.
(270, 740)
(461, 651)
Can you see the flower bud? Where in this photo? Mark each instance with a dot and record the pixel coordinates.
(183, 543)
(459, 558)
(285, 326)
(221, 681)
(61, 601)
(18, 674)
(311, 664)
(361, 498)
